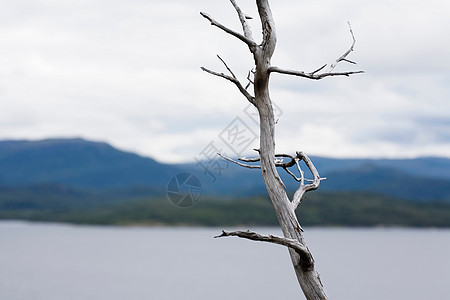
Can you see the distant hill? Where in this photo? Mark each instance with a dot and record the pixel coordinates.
(77, 164)
(388, 181)
(423, 167)
(79, 181)
(420, 179)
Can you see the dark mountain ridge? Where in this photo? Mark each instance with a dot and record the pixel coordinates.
(77, 163)
(67, 164)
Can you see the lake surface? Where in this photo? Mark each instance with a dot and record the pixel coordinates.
(57, 261)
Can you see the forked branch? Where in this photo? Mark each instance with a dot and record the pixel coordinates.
(250, 81)
(344, 56)
(233, 79)
(294, 161)
(312, 75)
(241, 164)
(315, 74)
(303, 188)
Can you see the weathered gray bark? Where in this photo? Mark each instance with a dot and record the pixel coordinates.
(301, 257)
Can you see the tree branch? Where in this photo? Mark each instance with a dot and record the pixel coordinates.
(344, 56)
(306, 259)
(250, 43)
(226, 66)
(278, 163)
(233, 79)
(312, 75)
(292, 174)
(286, 165)
(250, 81)
(256, 159)
(319, 69)
(243, 19)
(298, 195)
(315, 74)
(239, 163)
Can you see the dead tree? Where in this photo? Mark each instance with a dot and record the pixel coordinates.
(268, 160)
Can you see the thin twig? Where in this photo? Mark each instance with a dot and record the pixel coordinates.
(315, 74)
(292, 174)
(249, 80)
(319, 69)
(250, 43)
(234, 80)
(344, 56)
(311, 75)
(226, 66)
(239, 163)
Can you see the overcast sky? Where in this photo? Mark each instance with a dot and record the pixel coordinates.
(128, 73)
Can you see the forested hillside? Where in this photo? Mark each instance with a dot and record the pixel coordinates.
(80, 181)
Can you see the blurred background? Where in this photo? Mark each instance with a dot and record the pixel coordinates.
(107, 119)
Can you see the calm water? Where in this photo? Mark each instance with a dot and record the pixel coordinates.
(54, 261)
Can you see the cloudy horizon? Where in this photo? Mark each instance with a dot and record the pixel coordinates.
(129, 74)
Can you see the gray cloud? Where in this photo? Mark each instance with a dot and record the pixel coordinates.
(129, 74)
(438, 128)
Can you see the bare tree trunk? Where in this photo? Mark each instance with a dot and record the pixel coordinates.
(301, 257)
(304, 267)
